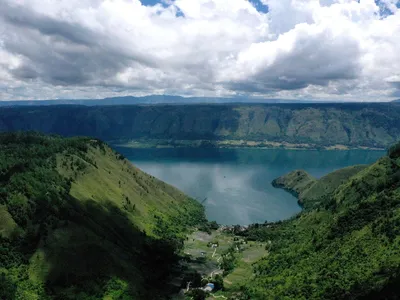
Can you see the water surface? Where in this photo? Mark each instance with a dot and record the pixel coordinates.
(235, 184)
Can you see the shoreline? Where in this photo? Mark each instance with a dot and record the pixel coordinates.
(231, 144)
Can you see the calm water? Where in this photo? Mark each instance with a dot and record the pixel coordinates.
(235, 184)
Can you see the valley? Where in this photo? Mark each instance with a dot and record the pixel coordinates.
(200, 150)
(78, 220)
(234, 185)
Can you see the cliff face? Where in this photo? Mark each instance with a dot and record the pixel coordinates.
(354, 125)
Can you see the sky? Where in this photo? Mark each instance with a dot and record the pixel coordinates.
(289, 49)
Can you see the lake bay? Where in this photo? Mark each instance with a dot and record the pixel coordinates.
(234, 185)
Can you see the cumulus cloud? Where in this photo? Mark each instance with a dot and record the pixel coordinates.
(327, 49)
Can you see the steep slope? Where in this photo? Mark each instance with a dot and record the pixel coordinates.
(297, 182)
(78, 221)
(309, 190)
(112, 178)
(306, 125)
(347, 246)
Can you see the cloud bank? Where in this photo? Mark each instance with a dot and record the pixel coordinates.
(327, 49)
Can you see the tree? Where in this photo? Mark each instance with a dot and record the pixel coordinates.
(198, 294)
(218, 282)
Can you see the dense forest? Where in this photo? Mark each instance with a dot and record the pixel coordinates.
(344, 245)
(78, 221)
(320, 125)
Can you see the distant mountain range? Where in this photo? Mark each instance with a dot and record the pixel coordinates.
(152, 99)
(374, 125)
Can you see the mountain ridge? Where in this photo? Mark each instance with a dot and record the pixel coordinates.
(309, 189)
(319, 125)
(78, 221)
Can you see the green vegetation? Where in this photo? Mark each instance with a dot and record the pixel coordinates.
(78, 221)
(311, 191)
(394, 151)
(297, 182)
(254, 125)
(228, 264)
(209, 226)
(345, 245)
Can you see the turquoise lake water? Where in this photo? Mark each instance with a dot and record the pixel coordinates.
(235, 184)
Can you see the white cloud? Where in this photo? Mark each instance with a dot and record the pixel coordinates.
(330, 49)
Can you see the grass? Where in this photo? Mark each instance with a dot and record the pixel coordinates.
(207, 264)
(310, 190)
(81, 222)
(244, 271)
(117, 181)
(328, 183)
(196, 244)
(8, 227)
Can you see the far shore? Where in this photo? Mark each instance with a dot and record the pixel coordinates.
(158, 143)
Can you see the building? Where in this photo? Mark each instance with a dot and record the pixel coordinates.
(209, 287)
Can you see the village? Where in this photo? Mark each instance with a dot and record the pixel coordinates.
(218, 263)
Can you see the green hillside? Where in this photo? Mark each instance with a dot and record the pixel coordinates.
(297, 182)
(271, 125)
(345, 246)
(78, 221)
(311, 191)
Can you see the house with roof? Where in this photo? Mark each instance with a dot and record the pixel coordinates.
(209, 287)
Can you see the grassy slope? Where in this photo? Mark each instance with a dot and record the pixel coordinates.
(297, 182)
(347, 247)
(310, 190)
(117, 181)
(8, 227)
(103, 229)
(328, 183)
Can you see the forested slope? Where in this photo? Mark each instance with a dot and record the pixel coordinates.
(353, 125)
(308, 189)
(78, 221)
(345, 245)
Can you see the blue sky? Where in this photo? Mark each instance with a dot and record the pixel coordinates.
(384, 11)
(257, 4)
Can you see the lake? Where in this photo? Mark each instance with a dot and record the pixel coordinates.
(235, 184)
